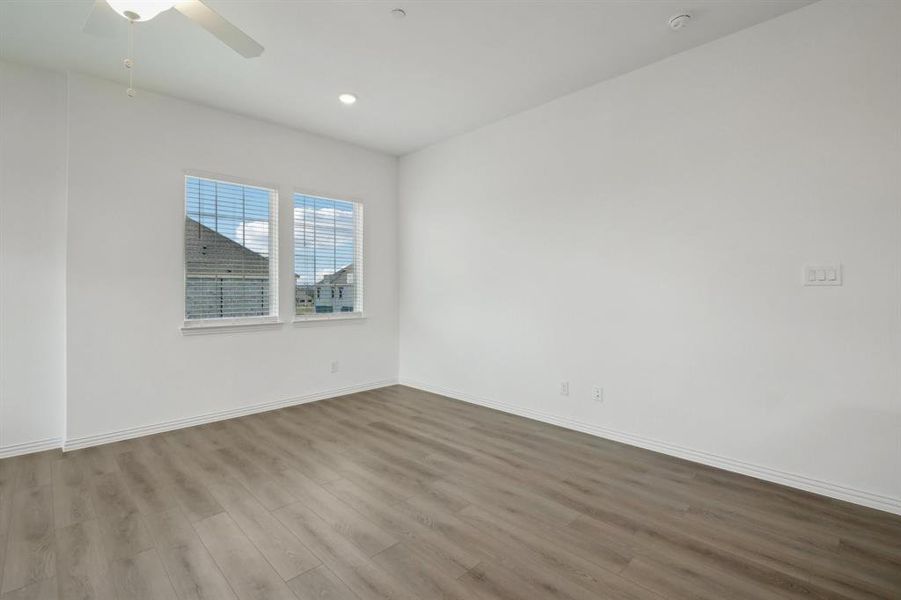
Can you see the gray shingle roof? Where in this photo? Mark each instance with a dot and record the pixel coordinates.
(211, 254)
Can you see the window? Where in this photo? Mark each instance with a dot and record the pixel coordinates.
(328, 257)
(230, 242)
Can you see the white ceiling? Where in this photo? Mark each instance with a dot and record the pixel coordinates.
(448, 67)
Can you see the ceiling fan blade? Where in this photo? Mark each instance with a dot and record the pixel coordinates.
(213, 22)
(103, 20)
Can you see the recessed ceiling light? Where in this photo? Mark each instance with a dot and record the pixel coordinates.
(399, 13)
(347, 99)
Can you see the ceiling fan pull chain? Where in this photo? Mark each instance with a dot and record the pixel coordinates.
(129, 61)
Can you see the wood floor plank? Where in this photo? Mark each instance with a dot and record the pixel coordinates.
(40, 590)
(124, 535)
(142, 577)
(9, 470)
(196, 453)
(543, 566)
(147, 488)
(582, 570)
(71, 493)
(248, 573)
(194, 499)
(362, 532)
(403, 526)
(34, 469)
(258, 482)
(287, 555)
(400, 494)
(8, 476)
(3, 544)
(349, 563)
(110, 495)
(191, 569)
(390, 491)
(320, 584)
(424, 578)
(30, 552)
(489, 581)
(283, 440)
(612, 551)
(81, 565)
(94, 461)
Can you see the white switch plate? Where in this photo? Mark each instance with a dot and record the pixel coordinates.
(822, 275)
(564, 388)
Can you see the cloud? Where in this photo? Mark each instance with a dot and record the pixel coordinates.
(333, 232)
(254, 235)
(326, 226)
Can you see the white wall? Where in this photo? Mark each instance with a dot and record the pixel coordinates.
(32, 258)
(98, 293)
(129, 364)
(647, 235)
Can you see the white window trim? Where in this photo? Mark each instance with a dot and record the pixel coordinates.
(317, 318)
(203, 326)
(358, 268)
(225, 325)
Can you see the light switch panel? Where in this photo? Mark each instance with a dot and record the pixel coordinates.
(822, 275)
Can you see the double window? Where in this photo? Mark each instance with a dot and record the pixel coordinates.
(231, 254)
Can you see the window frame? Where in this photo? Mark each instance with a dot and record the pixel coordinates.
(359, 253)
(225, 324)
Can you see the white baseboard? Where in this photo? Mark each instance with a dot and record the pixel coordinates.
(29, 447)
(220, 415)
(824, 488)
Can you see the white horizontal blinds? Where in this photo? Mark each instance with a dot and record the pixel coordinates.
(228, 245)
(327, 256)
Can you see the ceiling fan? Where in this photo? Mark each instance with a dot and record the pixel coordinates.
(106, 14)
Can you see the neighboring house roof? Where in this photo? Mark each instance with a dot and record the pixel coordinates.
(208, 253)
(340, 277)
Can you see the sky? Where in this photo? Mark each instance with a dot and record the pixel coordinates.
(323, 237)
(323, 228)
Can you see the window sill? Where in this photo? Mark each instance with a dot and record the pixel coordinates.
(206, 326)
(325, 318)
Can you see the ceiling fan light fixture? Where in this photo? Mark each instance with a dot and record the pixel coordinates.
(139, 10)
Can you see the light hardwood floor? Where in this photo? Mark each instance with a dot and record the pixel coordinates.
(397, 493)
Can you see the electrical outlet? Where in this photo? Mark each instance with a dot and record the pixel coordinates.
(564, 388)
(335, 366)
(597, 394)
